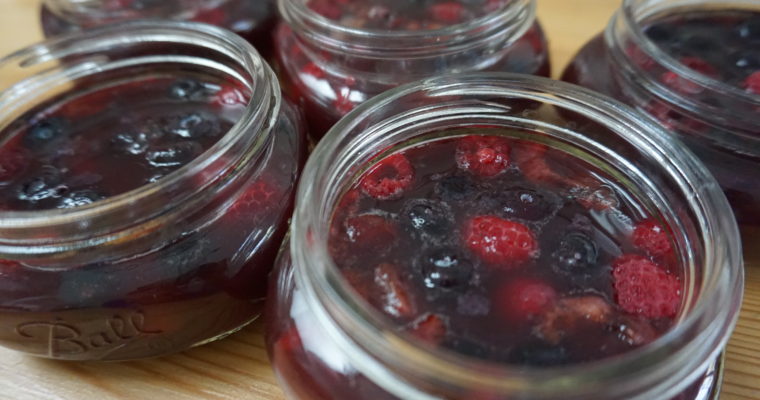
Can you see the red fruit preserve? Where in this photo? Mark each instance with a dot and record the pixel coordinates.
(251, 19)
(489, 241)
(334, 55)
(143, 194)
(696, 70)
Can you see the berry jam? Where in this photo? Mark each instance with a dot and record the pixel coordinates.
(193, 275)
(328, 83)
(506, 251)
(75, 151)
(253, 20)
(719, 126)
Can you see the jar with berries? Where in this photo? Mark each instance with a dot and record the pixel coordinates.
(252, 19)
(695, 67)
(464, 238)
(147, 174)
(334, 55)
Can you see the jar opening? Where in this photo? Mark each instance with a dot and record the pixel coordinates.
(124, 54)
(492, 99)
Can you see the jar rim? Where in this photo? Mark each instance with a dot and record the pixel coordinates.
(629, 15)
(514, 18)
(318, 275)
(20, 227)
(76, 11)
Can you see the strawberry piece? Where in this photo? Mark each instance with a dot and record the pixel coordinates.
(752, 83)
(568, 313)
(395, 298)
(525, 298)
(651, 237)
(449, 12)
(370, 232)
(644, 288)
(500, 242)
(483, 155)
(430, 328)
(389, 178)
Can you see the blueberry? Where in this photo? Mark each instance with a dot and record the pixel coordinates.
(79, 198)
(46, 184)
(428, 217)
(750, 29)
(527, 204)
(187, 89)
(540, 355)
(193, 125)
(46, 131)
(175, 155)
(577, 253)
(456, 188)
(445, 268)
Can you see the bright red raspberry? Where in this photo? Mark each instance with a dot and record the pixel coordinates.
(685, 85)
(389, 178)
(644, 288)
(650, 236)
(752, 83)
(525, 298)
(395, 299)
(431, 328)
(500, 242)
(483, 155)
(449, 12)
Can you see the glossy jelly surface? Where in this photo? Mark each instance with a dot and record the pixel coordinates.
(98, 144)
(507, 251)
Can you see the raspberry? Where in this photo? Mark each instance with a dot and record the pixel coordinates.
(261, 195)
(449, 12)
(484, 156)
(430, 328)
(643, 288)
(500, 242)
(370, 232)
(752, 83)
(389, 178)
(531, 159)
(650, 236)
(395, 298)
(524, 298)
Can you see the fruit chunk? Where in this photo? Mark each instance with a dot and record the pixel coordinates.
(525, 298)
(643, 288)
(431, 328)
(395, 298)
(500, 242)
(389, 178)
(483, 155)
(649, 235)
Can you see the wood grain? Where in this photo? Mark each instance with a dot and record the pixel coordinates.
(237, 367)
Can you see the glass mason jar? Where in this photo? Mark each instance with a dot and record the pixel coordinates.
(332, 65)
(326, 342)
(169, 265)
(251, 19)
(716, 120)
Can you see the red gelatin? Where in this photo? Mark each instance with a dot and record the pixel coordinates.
(137, 233)
(709, 98)
(329, 71)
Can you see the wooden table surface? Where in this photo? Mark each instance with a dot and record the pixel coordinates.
(237, 367)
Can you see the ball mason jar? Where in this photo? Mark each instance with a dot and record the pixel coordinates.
(174, 263)
(252, 19)
(330, 64)
(717, 121)
(326, 342)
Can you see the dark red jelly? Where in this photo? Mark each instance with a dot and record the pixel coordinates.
(700, 79)
(334, 55)
(251, 19)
